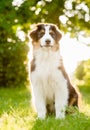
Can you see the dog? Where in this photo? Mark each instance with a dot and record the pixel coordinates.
(52, 91)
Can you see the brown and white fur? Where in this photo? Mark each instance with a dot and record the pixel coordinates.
(52, 91)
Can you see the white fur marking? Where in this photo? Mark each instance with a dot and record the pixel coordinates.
(48, 82)
(46, 36)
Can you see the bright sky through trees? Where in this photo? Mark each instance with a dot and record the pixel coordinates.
(73, 52)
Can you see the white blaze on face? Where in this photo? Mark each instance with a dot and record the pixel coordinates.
(46, 37)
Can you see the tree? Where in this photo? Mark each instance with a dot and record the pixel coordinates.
(69, 15)
(80, 72)
(87, 73)
(13, 52)
(18, 16)
(83, 72)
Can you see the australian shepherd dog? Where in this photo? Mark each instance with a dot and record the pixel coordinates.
(52, 91)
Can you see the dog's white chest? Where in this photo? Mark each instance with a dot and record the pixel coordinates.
(47, 77)
(47, 61)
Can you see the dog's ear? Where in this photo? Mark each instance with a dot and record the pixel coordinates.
(58, 34)
(33, 34)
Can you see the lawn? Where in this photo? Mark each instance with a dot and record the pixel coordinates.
(16, 113)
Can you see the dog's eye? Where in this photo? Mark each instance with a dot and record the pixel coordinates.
(52, 33)
(41, 33)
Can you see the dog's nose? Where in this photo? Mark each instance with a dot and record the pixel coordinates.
(47, 41)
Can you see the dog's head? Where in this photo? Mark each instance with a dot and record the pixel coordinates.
(45, 35)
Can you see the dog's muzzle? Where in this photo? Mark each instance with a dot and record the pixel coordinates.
(47, 44)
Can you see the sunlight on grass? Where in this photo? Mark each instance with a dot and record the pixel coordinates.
(17, 114)
(85, 108)
(17, 120)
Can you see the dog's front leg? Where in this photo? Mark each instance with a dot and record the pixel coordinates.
(61, 99)
(40, 106)
(59, 108)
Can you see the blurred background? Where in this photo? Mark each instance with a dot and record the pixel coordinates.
(17, 17)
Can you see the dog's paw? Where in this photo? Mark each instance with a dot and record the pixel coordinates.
(41, 115)
(60, 115)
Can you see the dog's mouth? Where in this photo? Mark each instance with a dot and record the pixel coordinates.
(47, 46)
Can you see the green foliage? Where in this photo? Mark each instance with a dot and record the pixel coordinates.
(13, 52)
(79, 73)
(13, 60)
(83, 72)
(87, 73)
(16, 17)
(76, 13)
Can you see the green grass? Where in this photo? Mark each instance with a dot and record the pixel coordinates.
(16, 113)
